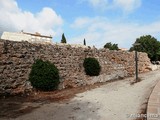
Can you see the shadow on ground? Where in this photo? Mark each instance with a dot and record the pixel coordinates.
(75, 110)
(13, 107)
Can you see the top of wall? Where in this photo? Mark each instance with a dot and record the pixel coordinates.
(64, 45)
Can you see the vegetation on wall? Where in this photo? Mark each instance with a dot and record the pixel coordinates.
(44, 75)
(92, 66)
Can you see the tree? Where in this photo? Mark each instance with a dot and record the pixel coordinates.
(84, 41)
(111, 46)
(148, 44)
(63, 40)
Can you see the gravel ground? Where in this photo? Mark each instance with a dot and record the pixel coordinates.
(113, 101)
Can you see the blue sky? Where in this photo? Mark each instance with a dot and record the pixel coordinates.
(98, 21)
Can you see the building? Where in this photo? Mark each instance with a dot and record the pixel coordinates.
(24, 36)
(123, 49)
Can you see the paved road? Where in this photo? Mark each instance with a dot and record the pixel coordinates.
(114, 101)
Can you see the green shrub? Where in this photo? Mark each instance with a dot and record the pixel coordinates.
(44, 75)
(92, 66)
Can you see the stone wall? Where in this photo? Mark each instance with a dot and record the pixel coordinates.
(16, 59)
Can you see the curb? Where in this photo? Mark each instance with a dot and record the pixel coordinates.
(153, 108)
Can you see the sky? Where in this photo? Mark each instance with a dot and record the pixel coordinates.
(98, 21)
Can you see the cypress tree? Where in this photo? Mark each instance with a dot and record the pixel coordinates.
(84, 42)
(63, 40)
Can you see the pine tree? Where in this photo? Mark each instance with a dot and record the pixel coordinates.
(63, 40)
(148, 44)
(84, 41)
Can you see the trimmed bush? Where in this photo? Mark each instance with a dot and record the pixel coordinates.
(44, 75)
(92, 66)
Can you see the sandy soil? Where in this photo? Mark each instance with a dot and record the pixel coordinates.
(113, 101)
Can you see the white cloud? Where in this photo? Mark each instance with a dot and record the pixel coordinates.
(124, 5)
(101, 4)
(97, 4)
(99, 31)
(80, 22)
(14, 19)
(127, 5)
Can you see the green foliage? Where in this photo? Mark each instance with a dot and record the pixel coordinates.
(84, 41)
(92, 66)
(111, 46)
(63, 40)
(44, 75)
(150, 45)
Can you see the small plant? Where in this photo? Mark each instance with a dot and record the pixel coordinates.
(44, 75)
(92, 66)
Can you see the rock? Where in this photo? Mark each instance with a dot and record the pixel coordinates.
(153, 67)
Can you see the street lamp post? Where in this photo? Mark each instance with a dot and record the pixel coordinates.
(136, 61)
(136, 65)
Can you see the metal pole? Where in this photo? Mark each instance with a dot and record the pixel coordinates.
(136, 65)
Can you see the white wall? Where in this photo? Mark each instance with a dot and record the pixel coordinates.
(25, 37)
(15, 36)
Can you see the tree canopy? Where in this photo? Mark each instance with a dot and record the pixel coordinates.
(111, 46)
(148, 44)
(63, 40)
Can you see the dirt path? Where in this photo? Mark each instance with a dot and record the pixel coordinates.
(113, 101)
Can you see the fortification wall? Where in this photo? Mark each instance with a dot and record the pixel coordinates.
(16, 59)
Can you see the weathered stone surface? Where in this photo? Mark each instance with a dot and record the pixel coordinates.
(153, 67)
(16, 59)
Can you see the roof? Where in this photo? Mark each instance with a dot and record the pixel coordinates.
(37, 34)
